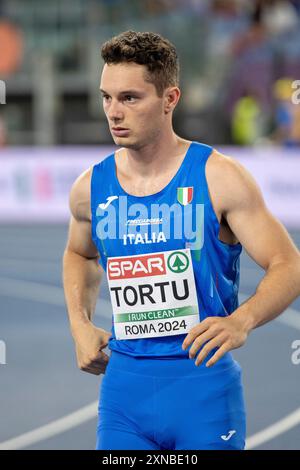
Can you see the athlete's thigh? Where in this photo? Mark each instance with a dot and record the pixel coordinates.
(125, 413)
(111, 439)
(210, 412)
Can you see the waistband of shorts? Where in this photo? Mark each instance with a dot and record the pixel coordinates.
(168, 366)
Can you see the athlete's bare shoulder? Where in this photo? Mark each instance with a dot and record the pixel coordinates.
(80, 196)
(230, 183)
(241, 202)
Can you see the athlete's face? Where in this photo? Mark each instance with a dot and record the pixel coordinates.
(131, 103)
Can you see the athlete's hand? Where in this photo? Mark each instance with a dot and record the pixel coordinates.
(224, 333)
(89, 342)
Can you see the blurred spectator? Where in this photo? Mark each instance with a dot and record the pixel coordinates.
(288, 51)
(226, 20)
(278, 15)
(247, 124)
(296, 4)
(252, 69)
(3, 133)
(287, 115)
(11, 48)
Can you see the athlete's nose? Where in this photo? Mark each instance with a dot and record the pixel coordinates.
(114, 113)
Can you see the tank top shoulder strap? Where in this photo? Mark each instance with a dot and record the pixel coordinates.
(103, 168)
(100, 172)
(201, 153)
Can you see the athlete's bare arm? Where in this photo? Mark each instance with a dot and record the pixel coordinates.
(237, 199)
(81, 278)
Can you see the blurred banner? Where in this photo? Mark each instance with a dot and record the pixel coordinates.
(35, 183)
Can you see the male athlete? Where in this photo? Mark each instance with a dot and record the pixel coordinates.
(166, 218)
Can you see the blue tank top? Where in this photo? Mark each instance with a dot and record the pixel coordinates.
(215, 263)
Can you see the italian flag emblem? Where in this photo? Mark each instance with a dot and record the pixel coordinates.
(185, 195)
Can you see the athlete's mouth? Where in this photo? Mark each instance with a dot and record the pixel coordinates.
(120, 131)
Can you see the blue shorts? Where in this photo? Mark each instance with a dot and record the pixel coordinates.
(169, 403)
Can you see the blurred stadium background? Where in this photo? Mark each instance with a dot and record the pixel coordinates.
(240, 63)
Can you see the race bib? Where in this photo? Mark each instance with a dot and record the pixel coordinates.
(153, 295)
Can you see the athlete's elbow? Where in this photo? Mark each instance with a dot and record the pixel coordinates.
(289, 267)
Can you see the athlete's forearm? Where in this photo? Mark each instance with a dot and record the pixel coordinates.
(81, 280)
(276, 291)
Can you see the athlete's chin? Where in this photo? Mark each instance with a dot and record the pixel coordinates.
(121, 140)
(127, 142)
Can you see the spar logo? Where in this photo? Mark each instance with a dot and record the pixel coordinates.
(178, 262)
(136, 266)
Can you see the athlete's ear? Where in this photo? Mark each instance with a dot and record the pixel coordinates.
(171, 98)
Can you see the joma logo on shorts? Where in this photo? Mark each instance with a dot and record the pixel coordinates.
(229, 435)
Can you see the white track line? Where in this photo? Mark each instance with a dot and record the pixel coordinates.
(269, 433)
(52, 429)
(34, 291)
(54, 295)
(39, 292)
(290, 318)
(37, 264)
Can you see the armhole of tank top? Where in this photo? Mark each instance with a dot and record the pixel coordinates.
(215, 220)
(95, 173)
(93, 212)
(92, 205)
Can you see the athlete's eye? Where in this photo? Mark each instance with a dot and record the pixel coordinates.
(129, 98)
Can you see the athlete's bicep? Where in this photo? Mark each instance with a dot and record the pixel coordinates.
(80, 240)
(80, 236)
(264, 238)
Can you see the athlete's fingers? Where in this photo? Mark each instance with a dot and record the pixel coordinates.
(200, 340)
(216, 342)
(90, 370)
(100, 361)
(97, 365)
(196, 331)
(218, 354)
(102, 355)
(95, 368)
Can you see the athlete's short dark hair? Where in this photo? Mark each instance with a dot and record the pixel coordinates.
(154, 51)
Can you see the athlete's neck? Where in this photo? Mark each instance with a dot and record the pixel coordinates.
(155, 157)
